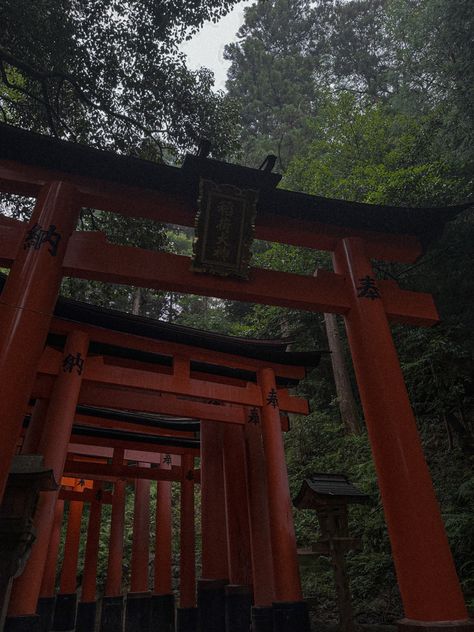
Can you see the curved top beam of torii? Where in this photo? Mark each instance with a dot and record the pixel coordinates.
(163, 193)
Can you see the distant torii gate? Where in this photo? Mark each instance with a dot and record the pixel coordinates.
(64, 177)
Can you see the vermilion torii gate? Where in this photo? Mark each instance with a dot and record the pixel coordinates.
(173, 370)
(65, 177)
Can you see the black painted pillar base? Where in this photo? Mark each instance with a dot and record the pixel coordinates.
(211, 605)
(238, 602)
(30, 623)
(162, 613)
(138, 612)
(111, 614)
(45, 610)
(85, 620)
(186, 620)
(65, 612)
(262, 619)
(289, 616)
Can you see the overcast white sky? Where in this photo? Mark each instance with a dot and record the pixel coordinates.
(207, 47)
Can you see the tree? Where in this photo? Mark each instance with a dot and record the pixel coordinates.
(271, 75)
(110, 73)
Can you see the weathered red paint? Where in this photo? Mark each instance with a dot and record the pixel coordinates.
(113, 586)
(426, 575)
(91, 557)
(187, 556)
(162, 569)
(26, 307)
(282, 532)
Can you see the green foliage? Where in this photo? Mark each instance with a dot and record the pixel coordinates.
(110, 73)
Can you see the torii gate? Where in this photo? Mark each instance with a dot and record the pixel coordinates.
(65, 177)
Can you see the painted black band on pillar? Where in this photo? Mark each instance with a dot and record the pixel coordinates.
(186, 620)
(289, 616)
(30, 623)
(262, 619)
(238, 602)
(211, 605)
(45, 610)
(65, 612)
(111, 614)
(85, 620)
(162, 613)
(138, 612)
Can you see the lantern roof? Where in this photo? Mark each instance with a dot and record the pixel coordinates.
(320, 488)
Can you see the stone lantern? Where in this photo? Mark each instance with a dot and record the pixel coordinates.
(329, 495)
(26, 480)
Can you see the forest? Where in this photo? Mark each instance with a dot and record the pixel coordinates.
(365, 100)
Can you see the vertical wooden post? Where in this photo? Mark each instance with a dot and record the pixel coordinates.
(426, 575)
(162, 604)
(290, 610)
(211, 587)
(138, 607)
(111, 618)
(141, 536)
(187, 614)
(53, 446)
(113, 586)
(66, 600)
(213, 524)
(86, 609)
(45, 607)
(236, 507)
(260, 540)
(162, 567)
(26, 307)
(187, 559)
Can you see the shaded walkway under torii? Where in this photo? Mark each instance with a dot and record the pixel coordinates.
(66, 177)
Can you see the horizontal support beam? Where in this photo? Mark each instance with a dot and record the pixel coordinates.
(141, 446)
(100, 471)
(87, 496)
(138, 202)
(97, 371)
(90, 256)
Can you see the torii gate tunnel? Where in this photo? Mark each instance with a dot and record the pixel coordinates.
(252, 558)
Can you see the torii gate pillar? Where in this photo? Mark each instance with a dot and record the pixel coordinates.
(426, 574)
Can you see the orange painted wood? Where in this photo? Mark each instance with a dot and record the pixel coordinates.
(90, 256)
(162, 568)
(113, 586)
(48, 583)
(187, 556)
(53, 446)
(99, 334)
(213, 521)
(140, 537)
(139, 202)
(98, 371)
(106, 471)
(260, 539)
(91, 557)
(99, 422)
(129, 445)
(236, 507)
(152, 402)
(26, 306)
(282, 532)
(426, 574)
(85, 496)
(68, 581)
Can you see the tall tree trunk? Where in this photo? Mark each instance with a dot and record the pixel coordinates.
(137, 301)
(345, 396)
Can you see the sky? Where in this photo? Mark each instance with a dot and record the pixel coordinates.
(206, 48)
